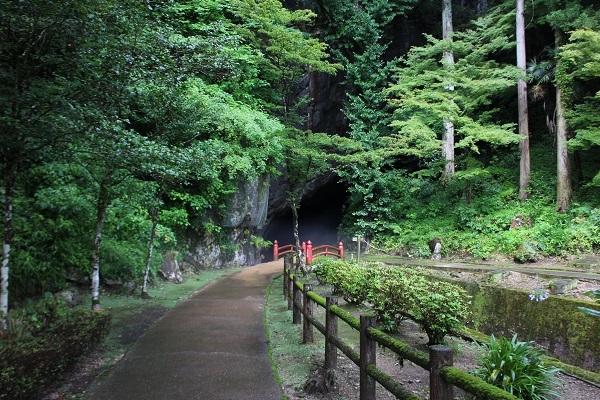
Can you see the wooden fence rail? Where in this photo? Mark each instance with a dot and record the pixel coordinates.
(443, 376)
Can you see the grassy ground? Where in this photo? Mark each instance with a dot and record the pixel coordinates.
(292, 361)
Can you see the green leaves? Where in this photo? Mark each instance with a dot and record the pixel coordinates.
(580, 64)
(397, 293)
(425, 92)
(518, 368)
(288, 52)
(122, 103)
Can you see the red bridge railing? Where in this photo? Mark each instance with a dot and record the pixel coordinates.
(307, 249)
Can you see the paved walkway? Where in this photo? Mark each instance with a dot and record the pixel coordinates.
(211, 346)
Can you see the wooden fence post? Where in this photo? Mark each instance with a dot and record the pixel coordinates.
(331, 329)
(309, 255)
(439, 389)
(368, 356)
(275, 250)
(307, 329)
(290, 284)
(286, 274)
(297, 301)
(288, 260)
(341, 249)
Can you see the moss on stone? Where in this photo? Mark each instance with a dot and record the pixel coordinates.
(555, 323)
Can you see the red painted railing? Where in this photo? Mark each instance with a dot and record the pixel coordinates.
(308, 250)
(325, 250)
(279, 252)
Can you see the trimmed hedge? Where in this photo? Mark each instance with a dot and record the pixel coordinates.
(397, 293)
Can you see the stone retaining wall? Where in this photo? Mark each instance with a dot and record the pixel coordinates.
(555, 323)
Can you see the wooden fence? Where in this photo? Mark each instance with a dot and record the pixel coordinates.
(443, 376)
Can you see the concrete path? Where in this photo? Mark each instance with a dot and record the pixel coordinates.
(211, 346)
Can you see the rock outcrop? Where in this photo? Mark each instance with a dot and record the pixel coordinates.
(235, 244)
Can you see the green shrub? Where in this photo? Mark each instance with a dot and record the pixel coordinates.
(406, 293)
(398, 293)
(439, 308)
(326, 269)
(41, 341)
(518, 368)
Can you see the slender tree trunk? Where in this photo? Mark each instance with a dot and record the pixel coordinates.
(101, 217)
(10, 178)
(301, 257)
(150, 249)
(448, 136)
(564, 190)
(525, 164)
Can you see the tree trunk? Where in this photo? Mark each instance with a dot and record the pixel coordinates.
(525, 164)
(564, 190)
(448, 136)
(10, 178)
(301, 258)
(150, 249)
(101, 217)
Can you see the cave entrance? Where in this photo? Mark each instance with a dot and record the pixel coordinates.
(319, 217)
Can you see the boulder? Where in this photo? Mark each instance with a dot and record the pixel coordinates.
(561, 286)
(436, 249)
(520, 221)
(69, 297)
(170, 270)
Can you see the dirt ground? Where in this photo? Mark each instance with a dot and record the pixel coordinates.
(75, 382)
(416, 379)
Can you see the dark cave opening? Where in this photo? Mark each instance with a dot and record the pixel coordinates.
(318, 219)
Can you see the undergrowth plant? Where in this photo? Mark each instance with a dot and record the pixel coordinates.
(41, 341)
(518, 368)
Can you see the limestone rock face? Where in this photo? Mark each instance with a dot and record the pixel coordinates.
(234, 246)
(248, 206)
(278, 193)
(258, 200)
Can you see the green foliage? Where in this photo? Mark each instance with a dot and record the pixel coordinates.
(422, 100)
(580, 64)
(122, 107)
(517, 367)
(41, 341)
(288, 53)
(472, 213)
(397, 293)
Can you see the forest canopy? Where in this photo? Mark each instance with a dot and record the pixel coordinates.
(129, 124)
